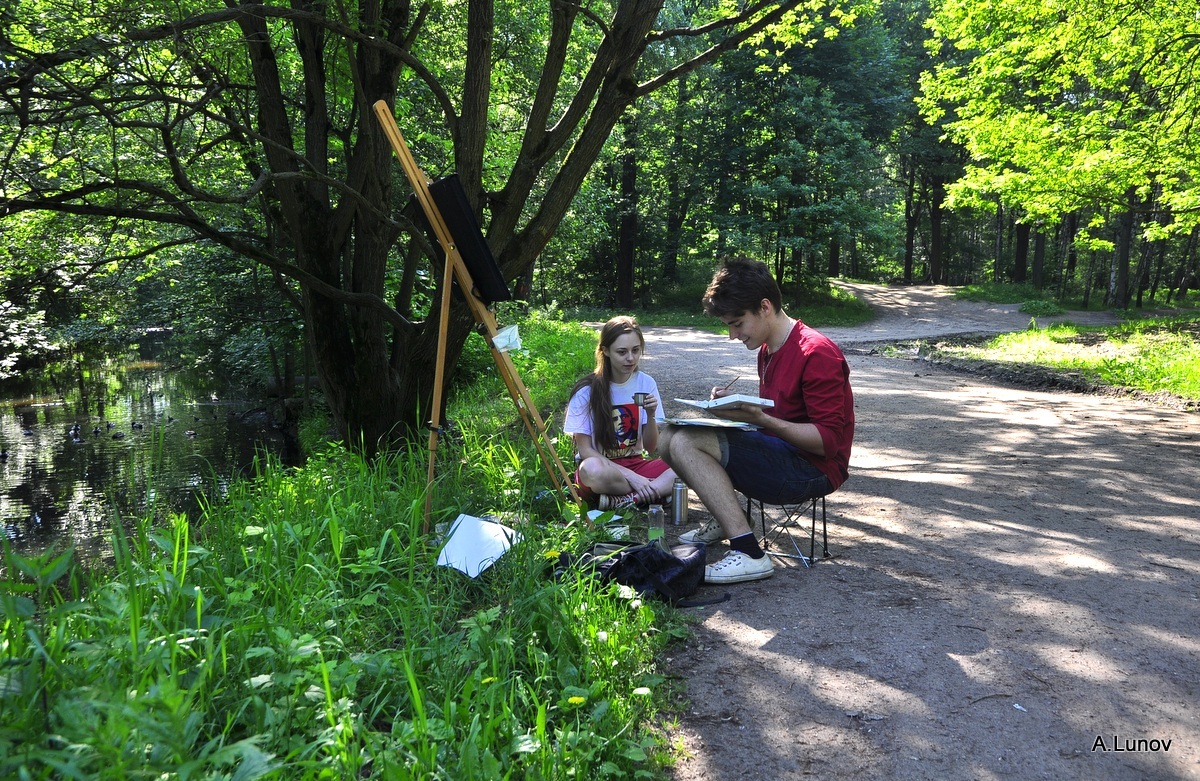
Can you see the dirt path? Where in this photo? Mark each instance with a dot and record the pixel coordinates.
(1015, 590)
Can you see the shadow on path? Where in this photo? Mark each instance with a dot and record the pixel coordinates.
(1015, 591)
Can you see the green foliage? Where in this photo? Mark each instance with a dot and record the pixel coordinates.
(1160, 355)
(23, 338)
(823, 305)
(1061, 110)
(774, 151)
(315, 430)
(554, 354)
(999, 292)
(301, 630)
(1040, 307)
(830, 306)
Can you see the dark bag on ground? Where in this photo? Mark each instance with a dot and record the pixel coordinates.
(646, 568)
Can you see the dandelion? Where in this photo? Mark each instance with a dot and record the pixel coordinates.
(489, 679)
(551, 554)
(602, 636)
(576, 700)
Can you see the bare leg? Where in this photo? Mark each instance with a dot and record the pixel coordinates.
(603, 477)
(695, 454)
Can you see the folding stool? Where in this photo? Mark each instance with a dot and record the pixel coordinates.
(781, 529)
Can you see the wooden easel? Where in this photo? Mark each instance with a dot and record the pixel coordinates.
(456, 269)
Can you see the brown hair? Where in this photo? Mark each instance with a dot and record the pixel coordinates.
(739, 286)
(600, 380)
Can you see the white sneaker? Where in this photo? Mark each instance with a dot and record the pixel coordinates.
(708, 534)
(737, 567)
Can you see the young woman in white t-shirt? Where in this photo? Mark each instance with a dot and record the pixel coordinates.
(611, 429)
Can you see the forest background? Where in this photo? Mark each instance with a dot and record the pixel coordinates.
(215, 169)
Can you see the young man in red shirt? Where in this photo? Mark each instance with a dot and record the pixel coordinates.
(801, 446)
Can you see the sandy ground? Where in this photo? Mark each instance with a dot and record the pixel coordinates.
(1014, 593)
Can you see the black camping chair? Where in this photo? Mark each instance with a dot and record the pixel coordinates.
(780, 528)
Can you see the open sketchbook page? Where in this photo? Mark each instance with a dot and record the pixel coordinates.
(733, 400)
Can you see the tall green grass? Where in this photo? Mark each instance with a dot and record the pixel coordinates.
(301, 630)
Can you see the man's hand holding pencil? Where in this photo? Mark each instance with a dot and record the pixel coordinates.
(723, 391)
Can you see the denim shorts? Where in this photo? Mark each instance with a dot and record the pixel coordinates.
(767, 468)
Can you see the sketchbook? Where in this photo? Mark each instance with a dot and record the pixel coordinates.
(712, 423)
(733, 400)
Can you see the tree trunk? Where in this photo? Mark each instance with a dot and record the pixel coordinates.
(1180, 285)
(998, 260)
(627, 225)
(678, 197)
(1088, 280)
(1070, 227)
(936, 230)
(1120, 288)
(1021, 253)
(1039, 258)
(912, 218)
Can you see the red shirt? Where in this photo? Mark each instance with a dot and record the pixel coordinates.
(809, 381)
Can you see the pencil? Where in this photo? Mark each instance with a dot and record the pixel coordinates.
(731, 382)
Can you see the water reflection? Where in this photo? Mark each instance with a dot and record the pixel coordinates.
(119, 441)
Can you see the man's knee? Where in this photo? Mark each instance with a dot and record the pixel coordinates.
(664, 441)
(679, 439)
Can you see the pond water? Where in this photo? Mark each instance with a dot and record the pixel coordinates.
(83, 447)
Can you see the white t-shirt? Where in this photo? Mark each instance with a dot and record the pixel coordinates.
(628, 418)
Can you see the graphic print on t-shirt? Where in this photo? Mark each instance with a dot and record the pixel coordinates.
(626, 422)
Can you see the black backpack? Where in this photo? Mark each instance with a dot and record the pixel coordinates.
(647, 568)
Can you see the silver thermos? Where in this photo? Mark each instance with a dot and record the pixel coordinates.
(679, 502)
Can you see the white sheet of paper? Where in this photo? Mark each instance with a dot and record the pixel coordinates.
(473, 544)
(507, 339)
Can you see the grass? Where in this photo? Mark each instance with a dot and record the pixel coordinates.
(1149, 353)
(1002, 293)
(301, 629)
(1152, 356)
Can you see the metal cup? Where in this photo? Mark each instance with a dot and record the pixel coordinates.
(640, 399)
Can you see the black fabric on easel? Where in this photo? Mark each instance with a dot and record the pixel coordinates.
(451, 200)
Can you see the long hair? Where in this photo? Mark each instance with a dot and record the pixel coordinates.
(600, 380)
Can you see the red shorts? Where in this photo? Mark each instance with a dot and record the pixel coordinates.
(646, 467)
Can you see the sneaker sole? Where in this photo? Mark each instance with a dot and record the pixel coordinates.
(745, 578)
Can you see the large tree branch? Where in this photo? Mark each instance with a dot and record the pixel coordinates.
(470, 134)
(34, 64)
(727, 44)
(612, 64)
(188, 219)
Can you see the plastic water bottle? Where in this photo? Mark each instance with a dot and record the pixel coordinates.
(679, 502)
(657, 530)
